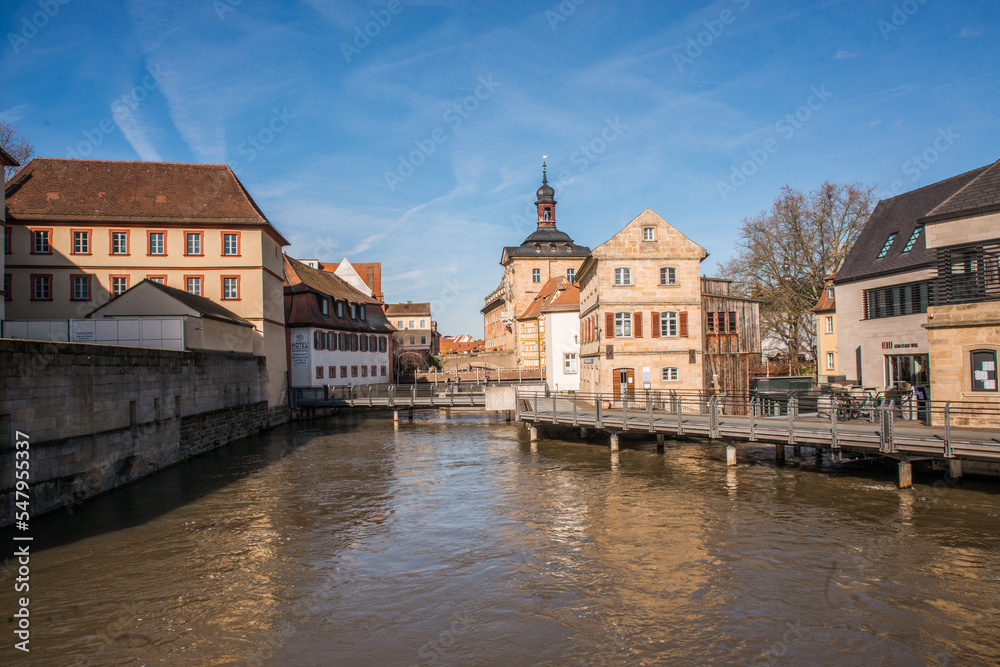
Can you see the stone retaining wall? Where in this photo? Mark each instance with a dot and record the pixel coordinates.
(99, 417)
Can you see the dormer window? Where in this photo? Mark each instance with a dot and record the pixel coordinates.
(829, 293)
(354, 311)
(340, 309)
(888, 243)
(325, 306)
(913, 239)
(362, 312)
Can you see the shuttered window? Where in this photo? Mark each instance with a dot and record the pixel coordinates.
(683, 323)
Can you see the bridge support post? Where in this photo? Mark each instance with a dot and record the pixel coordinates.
(797, 451)
(533, 433)
(955, 469)
(779, 454)
(614, 442)
(659, 443)
(905, 474)
(395, 416)
(730, 455)
(409, 415)
(583, 432)
(507, 412)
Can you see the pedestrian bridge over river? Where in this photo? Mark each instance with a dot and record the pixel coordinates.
(907, 432)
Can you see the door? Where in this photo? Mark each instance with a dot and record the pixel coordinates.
(624, 384)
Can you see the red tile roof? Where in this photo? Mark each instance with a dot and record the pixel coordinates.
(370, 272)
(451, 346)
(557, 294)
(302, 308)
(60, 189)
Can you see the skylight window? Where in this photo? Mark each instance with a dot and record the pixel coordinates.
(913, 239)
(885, 248)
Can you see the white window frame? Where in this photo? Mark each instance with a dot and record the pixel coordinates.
(193, 281)
(41, 288)
(671, 374)
(423, 324)
(81, 243)
(536, 275)
(81, 288)
(648, 234)
(231, 289)
(623, 276)
(40, 239)
(119, 243)
(668, 275)
(623, 325)
(829, 324)
(570, 364)
(114, 290)
(830, 365)
(669, 324)
(225, 244)
(570, 275)
(193, 240)
(157, 243)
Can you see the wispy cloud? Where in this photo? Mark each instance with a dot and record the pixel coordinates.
(844, 54)
(13, 114)
(137, 133)
(873, 123)
(969, 32)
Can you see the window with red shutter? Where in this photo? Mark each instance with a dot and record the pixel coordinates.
(684, 323)
(609, 325)
(654, 325)
(637, 325)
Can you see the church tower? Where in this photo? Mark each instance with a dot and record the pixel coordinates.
(546, 253)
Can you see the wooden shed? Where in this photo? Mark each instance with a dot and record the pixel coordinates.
(731, 332)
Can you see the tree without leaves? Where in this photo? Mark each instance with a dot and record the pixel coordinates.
(785, 254)
(16, 146)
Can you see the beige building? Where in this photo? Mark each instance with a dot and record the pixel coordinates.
(546, 253)
(825, 312)
(641, 311)
(963, 322)
(416, 331)
(5, 161)
(84, 231)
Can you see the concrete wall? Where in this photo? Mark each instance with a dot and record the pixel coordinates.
(562, 336)
(99, 417)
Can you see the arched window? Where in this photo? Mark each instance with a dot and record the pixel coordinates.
(547, 214)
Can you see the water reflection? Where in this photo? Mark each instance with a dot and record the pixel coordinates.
(453, 540)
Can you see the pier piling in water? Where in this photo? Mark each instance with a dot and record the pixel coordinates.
(730, 455)
(659, 443)
(614, 442)
(779, 454)
(905, 474)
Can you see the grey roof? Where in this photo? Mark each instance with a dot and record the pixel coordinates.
(900, 215)
(981, 195)
(205, 306)
(546, 242)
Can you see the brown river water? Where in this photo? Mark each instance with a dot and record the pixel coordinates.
(448, 541)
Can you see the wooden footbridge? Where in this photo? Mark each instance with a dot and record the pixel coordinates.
(838, 423)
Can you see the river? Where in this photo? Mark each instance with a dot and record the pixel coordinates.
(448, 541)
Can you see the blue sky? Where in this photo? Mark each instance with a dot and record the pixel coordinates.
(420, 146)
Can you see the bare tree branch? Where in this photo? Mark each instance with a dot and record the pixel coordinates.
(16, 146)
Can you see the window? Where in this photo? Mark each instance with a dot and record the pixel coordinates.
(569, 363)
(423, 340)
(361, 310)
(324, 305)
(354, 311)
(343, 371)
(829, 292)
(119, 243)
(331, 372)
(623, 325)
(319, 340)
(160, 280)
(399, 324)
(570, 275)
(331, 341)
(984, 370)
(536, 275)
(193, 285)
(710, 323)
(896, 300)
(623, 276)
(319, 372)
(41, 288)
(732, 321)
(668, 325)
(413, 340)
(423, 324)
(230, 244)
(118, 285)
(157, 245)
(7, 233)
(192, 243)
(885, 249)
(364, 343)
(648, 234)
(383, 371)
(81, 242)
(340, 309)
(354, 371)
(671, 374)
(829, 361)
(364, 371)
(913, 238)
(382, 345)
(374, 369)
(829, 324)
(80, 288)
(231, 287)
(668, 276)
(7, 287)
(411, 325)
(40, 242)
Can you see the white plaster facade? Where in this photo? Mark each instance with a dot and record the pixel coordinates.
(562, 345)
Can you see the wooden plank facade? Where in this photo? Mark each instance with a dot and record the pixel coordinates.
(730, 337)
